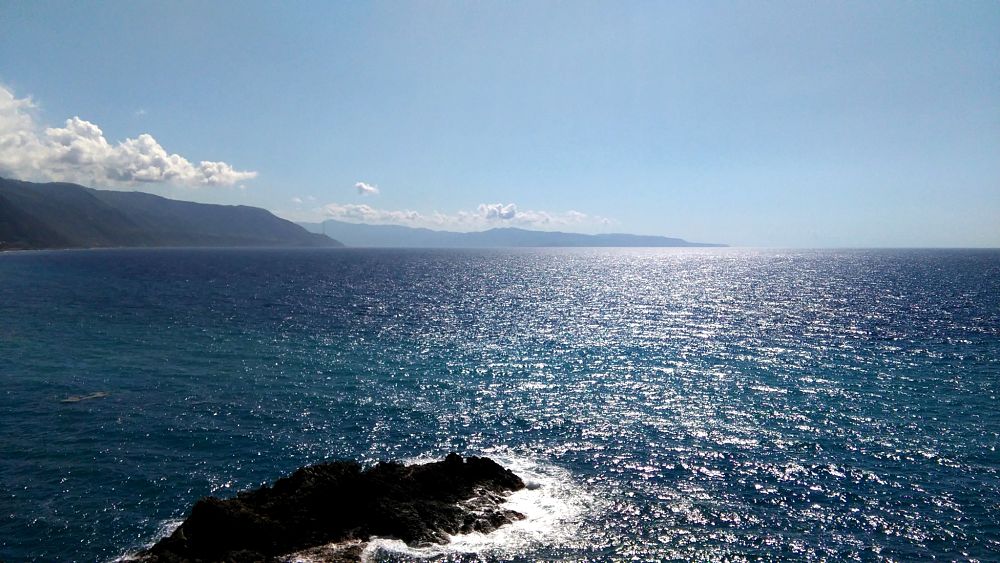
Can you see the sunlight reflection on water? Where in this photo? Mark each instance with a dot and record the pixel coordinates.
(699, 404)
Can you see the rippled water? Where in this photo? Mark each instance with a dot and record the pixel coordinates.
(688, 404)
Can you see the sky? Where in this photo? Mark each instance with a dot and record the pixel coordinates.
(777, 124)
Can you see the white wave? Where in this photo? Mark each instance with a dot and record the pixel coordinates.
(553, 504)
(166, 528)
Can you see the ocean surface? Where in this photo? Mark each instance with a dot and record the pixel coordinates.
(686, 404)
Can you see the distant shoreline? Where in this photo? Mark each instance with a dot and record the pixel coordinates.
(14, 251)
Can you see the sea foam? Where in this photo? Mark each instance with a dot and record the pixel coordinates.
(555, 507)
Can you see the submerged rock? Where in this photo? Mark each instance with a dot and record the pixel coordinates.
(78, 398)
(342, 503)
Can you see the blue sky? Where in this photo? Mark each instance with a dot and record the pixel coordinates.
(751, 123)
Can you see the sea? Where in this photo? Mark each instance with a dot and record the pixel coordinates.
(662, 404)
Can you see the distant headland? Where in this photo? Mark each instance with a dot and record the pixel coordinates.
(398, 236)
(62, 215)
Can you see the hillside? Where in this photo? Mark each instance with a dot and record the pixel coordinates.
(62, 215)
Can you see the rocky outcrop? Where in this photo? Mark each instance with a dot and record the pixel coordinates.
(342, 503)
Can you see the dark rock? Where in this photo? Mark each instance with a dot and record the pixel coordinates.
(342, 502)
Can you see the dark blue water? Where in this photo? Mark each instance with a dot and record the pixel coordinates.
(671, 404)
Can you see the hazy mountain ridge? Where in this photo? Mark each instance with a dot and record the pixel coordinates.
(362, 234)
(63, 215)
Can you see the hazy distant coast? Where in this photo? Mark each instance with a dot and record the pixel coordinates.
(398, 236)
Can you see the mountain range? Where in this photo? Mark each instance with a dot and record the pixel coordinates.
(362, 234)
(62, 215)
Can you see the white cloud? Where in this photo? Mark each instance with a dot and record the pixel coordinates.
(79, 152)
(485, 216)
(366, 189)
(297, 200)
(494, 211)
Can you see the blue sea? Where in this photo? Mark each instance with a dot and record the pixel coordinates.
(667, 404)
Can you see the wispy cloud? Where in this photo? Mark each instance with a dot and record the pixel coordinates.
(366, 189)
(79, 152)
(486, 215)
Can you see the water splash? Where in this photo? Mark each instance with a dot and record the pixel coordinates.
(555, 508)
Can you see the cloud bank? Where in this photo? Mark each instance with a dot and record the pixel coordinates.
(485, 216)
(79, 152)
